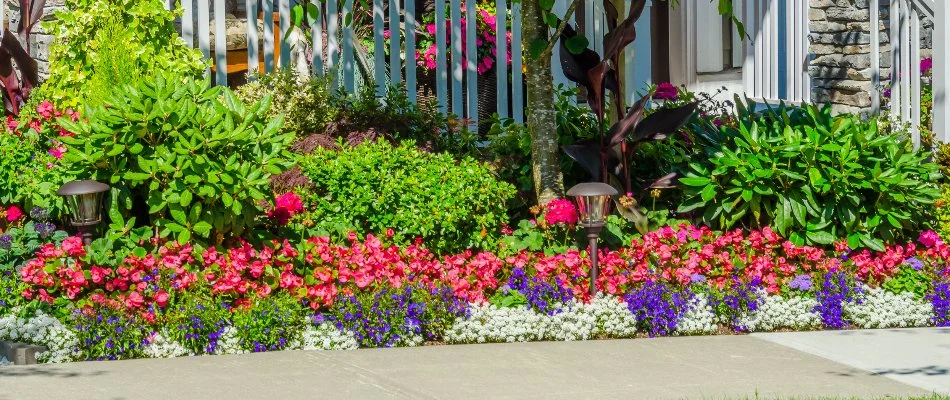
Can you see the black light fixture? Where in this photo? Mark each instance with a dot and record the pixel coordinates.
(593, 205)
(85, 202)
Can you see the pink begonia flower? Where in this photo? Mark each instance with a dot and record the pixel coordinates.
(12, 124)
(14, 213)
(45, 109)
(929, 238)
(665, 91)
(560, 211)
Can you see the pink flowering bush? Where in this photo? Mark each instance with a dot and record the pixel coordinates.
(485, 40)
(31, 152)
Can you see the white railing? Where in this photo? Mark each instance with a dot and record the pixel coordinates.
(770, 41)
(906, 18)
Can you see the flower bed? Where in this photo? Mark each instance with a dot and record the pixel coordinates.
(174, 300)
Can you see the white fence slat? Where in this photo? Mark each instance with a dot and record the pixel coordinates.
(411, 59)
(441, 57)
(905, 60)
(317, 42)
(457, 66)
(805, 51)
(268, 35)
(204, 36)
(471, 56)
(333, 40)
(220, 45)
(395, 49)
(758, 90)
(774, 50)
(349, 72)
(941, 71)
(748, 44)
(284, 14)
(517, 82)
(896, 48)
(793, 87)
(875, 11)
(379, 56)
(253, 40)
(187, 22)
(915, 77)
(501, 62)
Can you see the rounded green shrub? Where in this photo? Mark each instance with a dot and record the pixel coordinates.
(813, 177)
(451, 204)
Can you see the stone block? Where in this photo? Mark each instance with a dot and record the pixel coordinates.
(826, 27)
(20, 353)
(847, 14)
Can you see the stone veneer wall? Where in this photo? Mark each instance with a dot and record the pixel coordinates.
(840, 47)
(40, 37)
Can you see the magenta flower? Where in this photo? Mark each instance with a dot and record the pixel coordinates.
(926, 65)
(929, 238)
(665, 91)
(560, 211)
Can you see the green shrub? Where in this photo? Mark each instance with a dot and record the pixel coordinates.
(813, 177)
(942, 213)
(451, 204)
(114, 38)
(191, 157)
(306, 104)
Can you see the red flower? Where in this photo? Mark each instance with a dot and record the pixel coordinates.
(161, 298)
(560, 211)
(73, 246)
(285, 207)
(14, 213)
(665, 91)
(135, 300)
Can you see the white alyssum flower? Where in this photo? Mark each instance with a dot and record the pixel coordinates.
(776, 312)
(4, 362)
(229, 342)
(327, 337)
(614, 319)
(160, 347)
(604, 316)
(699, 318)
(880, 308)
(41, 330)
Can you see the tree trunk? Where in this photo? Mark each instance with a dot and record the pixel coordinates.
(542, 117)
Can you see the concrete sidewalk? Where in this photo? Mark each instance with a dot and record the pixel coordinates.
(714, 367)
(919, 357)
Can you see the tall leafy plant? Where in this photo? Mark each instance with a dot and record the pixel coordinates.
(813, 177)
(608, 157)
(17, 86)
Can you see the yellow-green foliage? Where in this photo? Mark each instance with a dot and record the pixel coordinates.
(942, 213)
(113, 38)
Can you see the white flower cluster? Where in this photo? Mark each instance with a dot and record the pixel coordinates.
(776, 312)
(4, 361)
(327, 337)
(160, 347)
(699, 318)
(882, 309)
(229, 342)
(604, 316)
(41, 330)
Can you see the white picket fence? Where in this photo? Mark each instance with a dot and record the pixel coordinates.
(456, 82)
(906, 18)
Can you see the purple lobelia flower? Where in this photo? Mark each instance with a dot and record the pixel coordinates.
(657, 306)
(940, 299)
(541, 296)
(835, 291)
(914, 263)
(801, 282)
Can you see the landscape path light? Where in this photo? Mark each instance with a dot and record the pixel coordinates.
(593, 206)
(85, 202)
